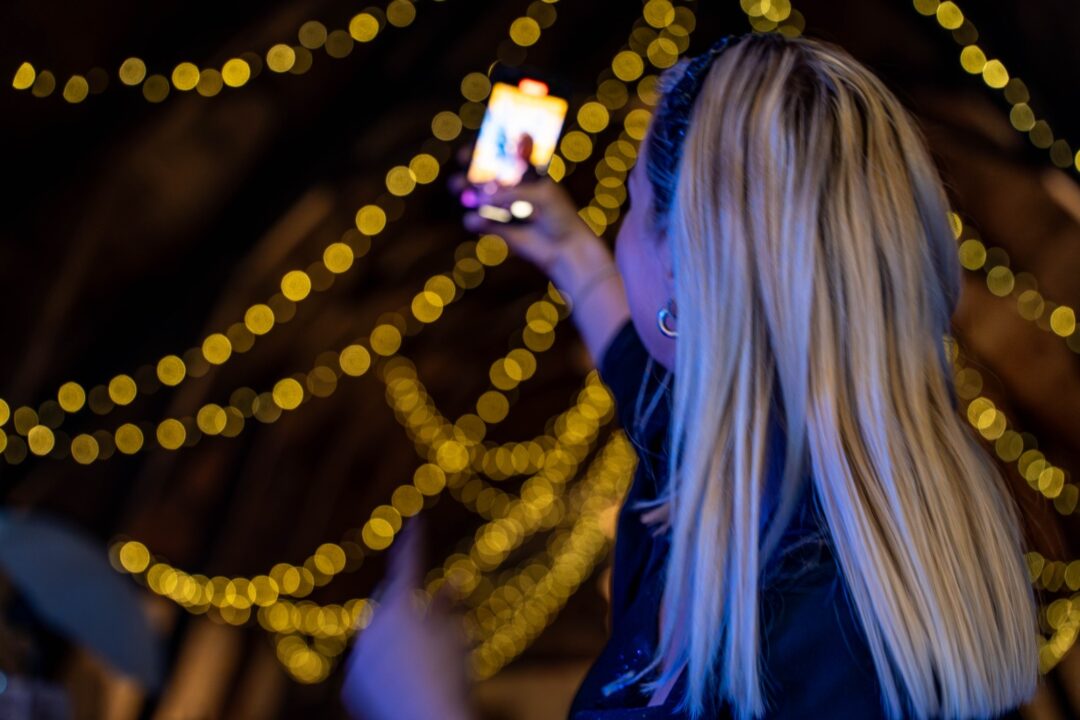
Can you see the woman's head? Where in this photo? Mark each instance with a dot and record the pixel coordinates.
(798, 222)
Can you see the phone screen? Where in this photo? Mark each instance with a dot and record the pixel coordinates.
(521, 126)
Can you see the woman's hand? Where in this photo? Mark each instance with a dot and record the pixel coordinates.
(409, 663)
(559, 242)
(555, 239)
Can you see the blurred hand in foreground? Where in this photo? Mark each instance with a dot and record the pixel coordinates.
(410, 662)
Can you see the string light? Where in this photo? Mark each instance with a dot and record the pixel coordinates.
(296, 285)
(460, 568)
(1059, 618)
(1012, 447)
(244, 594)
(1052, 575)
(1030, 304)
(774, 16)
(236, 72)
(975, 61)
(512, 615)
(1062, 616)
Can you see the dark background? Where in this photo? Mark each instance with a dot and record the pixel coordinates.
(131, 230)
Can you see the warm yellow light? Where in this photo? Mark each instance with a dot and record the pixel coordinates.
(71, 397)
(424, 167)
(134, 557)
(475, 86)
(1063, 321)
(355, 360)
(41, 440)
(429, 479)
(211, 419)
(24, 77)
(288, 394)
(973, 59)
(210, 83)
(281, 58)
(128, 439)
(312, 34)
(492, 406)
(994, 74)
(76, 89)
(949, 15)
(525, 31)
(385, 339)
(217, 348)
(407, 500)
(400, 180)
(171, 434)
(185, 76)
(400, 13)
(628, 66)
(296, 285)
(1000, 280)
(371, 219)
(364, 27)
(122, 389)
(171, 370)
(661, 13)
(235, 72)
(576, 146)
(593, 117)
(377, 534)
(259, 319)
(972, 254)
(446, 125)
(1022, 117)
(637, 123)
(927, 7)
(155, 88)
(132, 71)
(427, 307)
(85, 449)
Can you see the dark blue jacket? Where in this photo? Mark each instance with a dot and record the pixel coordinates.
(817, 661)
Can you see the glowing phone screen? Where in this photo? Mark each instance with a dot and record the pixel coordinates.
(521, 125)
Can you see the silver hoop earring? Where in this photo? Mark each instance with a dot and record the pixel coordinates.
(661, 320)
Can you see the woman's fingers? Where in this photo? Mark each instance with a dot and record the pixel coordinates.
(462, 155)
(457, 183)
(405, 561)
(535, 192)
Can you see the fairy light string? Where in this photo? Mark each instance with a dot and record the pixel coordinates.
(238, 71)
(1022, 287)
(541, 318)
(635, 130)
(975, 60)
(295, 286)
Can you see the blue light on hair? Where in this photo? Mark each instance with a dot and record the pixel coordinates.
(668, 129)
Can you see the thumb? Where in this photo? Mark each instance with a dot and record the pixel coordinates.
(534, 192)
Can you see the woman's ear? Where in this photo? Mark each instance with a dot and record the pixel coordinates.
(663, 252)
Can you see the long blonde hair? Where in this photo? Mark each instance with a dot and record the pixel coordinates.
(813, 259)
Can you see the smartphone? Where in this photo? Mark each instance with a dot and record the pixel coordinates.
(518, 136)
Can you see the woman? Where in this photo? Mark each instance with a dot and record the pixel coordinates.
(816, 533)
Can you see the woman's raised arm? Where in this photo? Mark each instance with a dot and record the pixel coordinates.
(562, 246)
